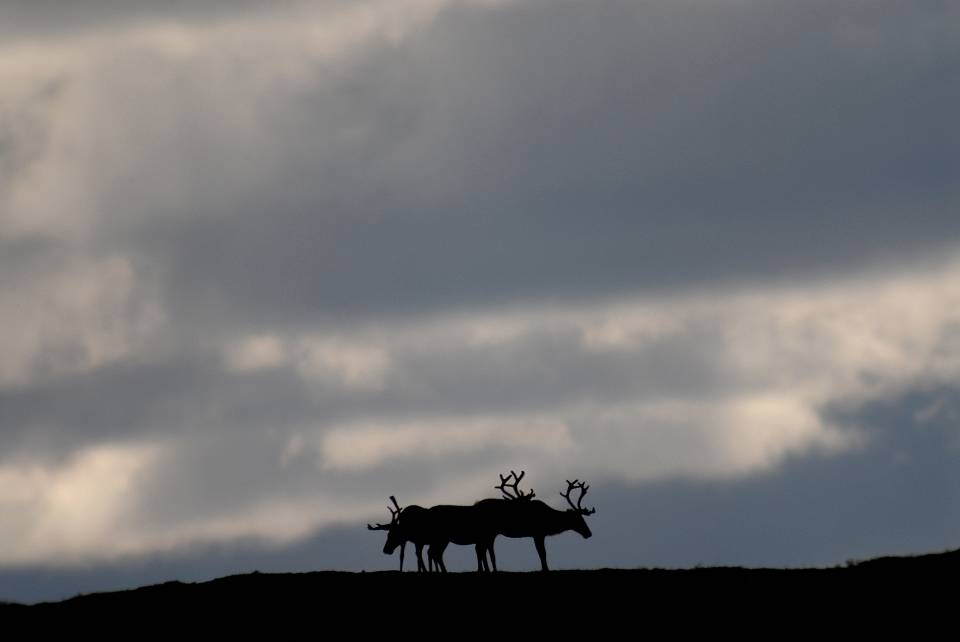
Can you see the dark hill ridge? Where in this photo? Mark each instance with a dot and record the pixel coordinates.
(586, 591)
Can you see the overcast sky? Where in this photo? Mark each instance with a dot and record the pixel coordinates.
(264, 264)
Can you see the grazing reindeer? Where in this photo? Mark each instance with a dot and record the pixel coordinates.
(405, 526)
(435, 527)
(519, 515)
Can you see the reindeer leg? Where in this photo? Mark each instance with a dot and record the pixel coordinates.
(420, 565)
(438, 556)
(542, 552)
(493, 556)
(481, 558)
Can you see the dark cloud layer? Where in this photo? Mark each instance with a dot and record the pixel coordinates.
(176, 396)
(24, 19)
(675, 145)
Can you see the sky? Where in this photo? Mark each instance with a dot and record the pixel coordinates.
(263, 265)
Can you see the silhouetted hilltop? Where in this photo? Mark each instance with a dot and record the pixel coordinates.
(618, 592)
(948, 562)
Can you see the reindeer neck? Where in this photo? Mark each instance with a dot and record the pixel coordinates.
(554, 522)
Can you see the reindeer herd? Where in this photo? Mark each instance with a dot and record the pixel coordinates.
(516, 514)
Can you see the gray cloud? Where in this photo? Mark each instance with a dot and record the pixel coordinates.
(23, 19)
(678, 146)
(488, 160)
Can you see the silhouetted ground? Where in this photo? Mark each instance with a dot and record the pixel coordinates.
(873, 590)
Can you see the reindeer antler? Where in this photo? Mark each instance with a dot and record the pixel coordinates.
(571, 485)
(517, 493)
(394, 517)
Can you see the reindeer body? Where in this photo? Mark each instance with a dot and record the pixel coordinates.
(438, 527)
(518, 514)
(518, 518)
(404, 526)
(407, 530)
(463, 525)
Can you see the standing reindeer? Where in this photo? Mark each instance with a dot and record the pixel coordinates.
(519, 515)
(404, 526)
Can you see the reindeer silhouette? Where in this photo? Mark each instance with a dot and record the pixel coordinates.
(464, 525)
(404, 526)
(435, 527)
(467, 525)
(517, 514)
(520, 515)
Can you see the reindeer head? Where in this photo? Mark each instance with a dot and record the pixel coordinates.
(394, 538)
(576, 511)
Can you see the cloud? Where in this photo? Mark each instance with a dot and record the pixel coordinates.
(73, 508)
(361, 164)
(366, 446)
(356, 364)
(43, 19)
(72, 316)
(255, 353)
